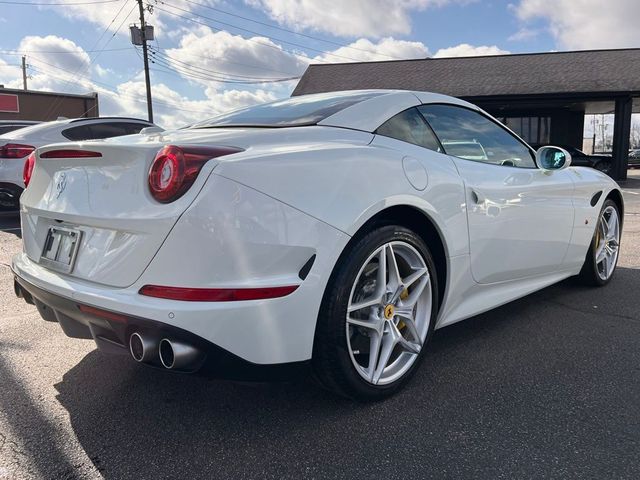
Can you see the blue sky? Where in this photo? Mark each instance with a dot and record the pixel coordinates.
(212, 60)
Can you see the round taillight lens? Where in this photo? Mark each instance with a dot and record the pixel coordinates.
(166, 176)
(175, 169)
(27, 171)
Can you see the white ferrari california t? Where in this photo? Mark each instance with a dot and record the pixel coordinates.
(329, 233)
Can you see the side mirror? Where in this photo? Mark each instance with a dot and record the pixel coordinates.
(553, 158)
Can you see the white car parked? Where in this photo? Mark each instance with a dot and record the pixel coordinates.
(331, 230)
(16, 145)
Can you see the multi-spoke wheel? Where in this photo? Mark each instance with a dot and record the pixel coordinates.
(377, 314)
(602, 257)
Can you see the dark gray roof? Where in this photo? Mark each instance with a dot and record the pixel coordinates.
(593, 71)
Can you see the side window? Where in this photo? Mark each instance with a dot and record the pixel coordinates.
(82, 132)
(108, 130)
(467, 134)
(132, 128)
(409, 126)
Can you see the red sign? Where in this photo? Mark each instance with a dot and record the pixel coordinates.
(9, 103)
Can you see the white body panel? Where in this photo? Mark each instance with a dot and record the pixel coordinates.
(254, 219)
(523, 217)
(40, 135)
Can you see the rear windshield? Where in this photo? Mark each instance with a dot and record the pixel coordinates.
(291, 112)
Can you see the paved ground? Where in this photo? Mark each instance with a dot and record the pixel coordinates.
(545, 387)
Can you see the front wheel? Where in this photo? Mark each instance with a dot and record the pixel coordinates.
(602, 257)
(377, 315)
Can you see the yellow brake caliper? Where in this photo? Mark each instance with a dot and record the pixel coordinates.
(403, 296)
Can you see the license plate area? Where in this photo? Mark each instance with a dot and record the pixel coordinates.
(60, 249)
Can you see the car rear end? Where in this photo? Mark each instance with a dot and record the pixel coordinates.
(138, 244)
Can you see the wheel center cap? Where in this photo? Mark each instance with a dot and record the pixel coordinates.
(389, 310)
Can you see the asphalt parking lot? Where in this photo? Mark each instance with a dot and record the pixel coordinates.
(544, 387)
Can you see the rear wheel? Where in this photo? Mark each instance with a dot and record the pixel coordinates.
(602, 257)
(377, 315)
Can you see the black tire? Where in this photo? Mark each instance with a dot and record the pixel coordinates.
(589, 273)
(332, 364)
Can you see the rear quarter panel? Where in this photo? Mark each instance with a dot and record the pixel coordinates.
(345, 185)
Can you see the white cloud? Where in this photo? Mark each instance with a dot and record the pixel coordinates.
(347, 18)
(524, 34)
(466, 50)
(70, 72)
(586, 24)
(245, 59)
(72, 56)
(171, 109)
(364, 50)
(10, 73)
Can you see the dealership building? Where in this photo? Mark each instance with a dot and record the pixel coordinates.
(43, 106)
(543, 97)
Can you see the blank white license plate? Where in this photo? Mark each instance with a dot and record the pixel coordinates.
(60, 249)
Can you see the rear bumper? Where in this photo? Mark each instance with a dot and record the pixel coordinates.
(111, 331)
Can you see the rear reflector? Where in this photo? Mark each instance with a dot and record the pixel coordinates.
(70, 154)
(216, 294)
(98, 312)
(15, 150)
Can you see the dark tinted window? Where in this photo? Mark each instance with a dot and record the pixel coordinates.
(409, 126)
(82, 132)
(461, 127)
(295, 111)
(102, 130)
(107, 130)
(10, 128)
(132, 128)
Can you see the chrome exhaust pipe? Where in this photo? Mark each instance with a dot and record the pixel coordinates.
(143, 349)
(177, 355)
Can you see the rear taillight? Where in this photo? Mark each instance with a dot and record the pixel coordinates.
(174, 169)
(15, 150)
(27, 171)
(70, 154)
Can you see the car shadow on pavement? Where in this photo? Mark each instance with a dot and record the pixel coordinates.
(39, 446)
(10, 223)
(544, 386)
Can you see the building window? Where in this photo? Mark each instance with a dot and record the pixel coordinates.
(534, 130)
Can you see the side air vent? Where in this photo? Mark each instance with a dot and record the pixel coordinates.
(595, 198)
(306, 268)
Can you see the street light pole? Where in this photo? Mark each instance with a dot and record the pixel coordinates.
(146, 60)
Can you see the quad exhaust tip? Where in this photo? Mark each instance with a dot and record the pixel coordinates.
(178, 355)
(143, 349)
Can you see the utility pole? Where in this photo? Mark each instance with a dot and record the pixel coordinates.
(24, 72)
(146, 60)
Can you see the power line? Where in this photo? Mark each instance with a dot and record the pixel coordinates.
(107, 86)
(225, 76)
(39, 4)
(277, 27)
(249, 31)
(246, 65)
(28, 52)
(92, 59)
(205, 77)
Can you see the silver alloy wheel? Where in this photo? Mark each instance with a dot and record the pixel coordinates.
(607, 242)
(389, 312)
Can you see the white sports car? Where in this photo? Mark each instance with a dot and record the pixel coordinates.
(330, 231)
(17, 144)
